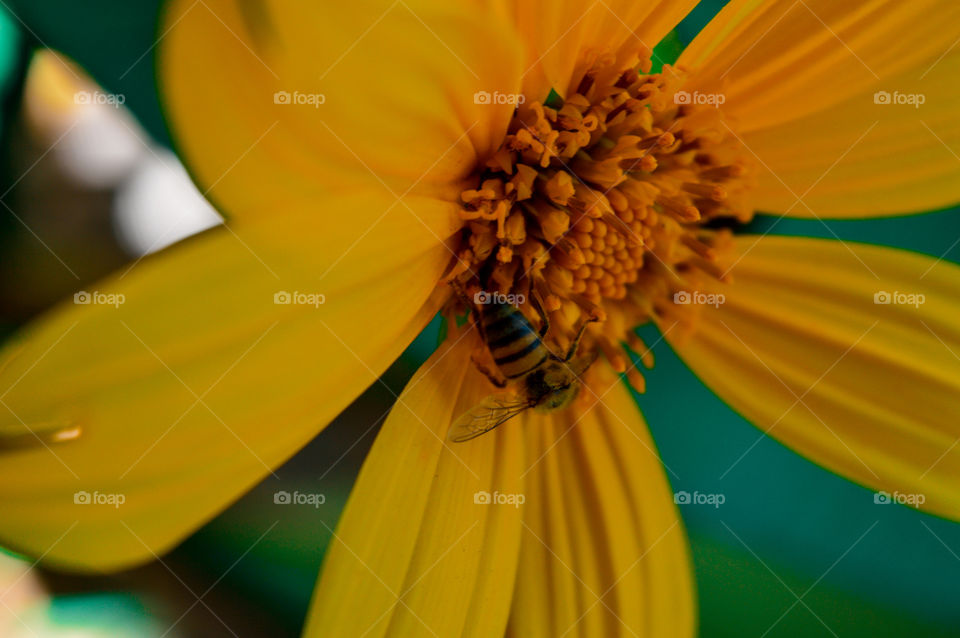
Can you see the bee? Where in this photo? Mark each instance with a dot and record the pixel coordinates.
(541, 379)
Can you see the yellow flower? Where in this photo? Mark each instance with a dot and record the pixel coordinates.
(368, 154)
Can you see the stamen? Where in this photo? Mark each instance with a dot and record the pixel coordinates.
(599, 205)
(710, 191)
(636, 380)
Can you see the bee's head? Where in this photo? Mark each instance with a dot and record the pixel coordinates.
(553, 386)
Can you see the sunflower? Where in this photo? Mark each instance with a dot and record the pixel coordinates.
(372, 159)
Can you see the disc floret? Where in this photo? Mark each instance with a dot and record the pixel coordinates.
(606, 204)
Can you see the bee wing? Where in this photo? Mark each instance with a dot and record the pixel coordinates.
(486, 415)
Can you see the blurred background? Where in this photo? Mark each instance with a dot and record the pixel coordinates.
(88, 185)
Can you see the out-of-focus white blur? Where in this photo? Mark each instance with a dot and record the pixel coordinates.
(98, 143)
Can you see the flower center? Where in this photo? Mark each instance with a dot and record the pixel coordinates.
(605, 205)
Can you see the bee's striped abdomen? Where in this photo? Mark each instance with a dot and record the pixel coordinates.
(513, 342)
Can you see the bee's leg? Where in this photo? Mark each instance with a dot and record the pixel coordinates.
(480, 358)
(469, 304)
(544, 319)
(462, 294)
(576, 342)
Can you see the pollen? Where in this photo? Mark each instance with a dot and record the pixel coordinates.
(605, 205)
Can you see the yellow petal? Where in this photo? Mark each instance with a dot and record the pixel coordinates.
(604, 552)
(564, 37)
(414, 554)
(801, 83)
(861, 159)
(778, 60)
(805, 348)
(198, 383)
(242, 88)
